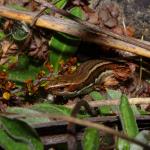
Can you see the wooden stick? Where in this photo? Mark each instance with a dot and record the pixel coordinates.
(73, 28)
(87, 123)
(115, 102)
(92, 27)
(100, 127)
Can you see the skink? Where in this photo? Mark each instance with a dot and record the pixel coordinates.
(88, 74)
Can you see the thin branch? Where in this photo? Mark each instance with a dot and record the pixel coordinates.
(73, 28)
(92, 125)
(99, 103)
(92, 28)
(99, 127)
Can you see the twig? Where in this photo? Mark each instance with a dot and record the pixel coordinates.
(85, 123)
(71, 126)
(85, 104)
(115, 102)
(93, 125)
(78, 30)
(29, 36)
(99, 127)
(92, 28)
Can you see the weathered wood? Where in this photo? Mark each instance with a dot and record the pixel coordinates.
(78, 30)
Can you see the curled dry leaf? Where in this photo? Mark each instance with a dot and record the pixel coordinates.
(119, 76)
(7, 48)
(39, 48)
(108, 13)
(122, 73)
